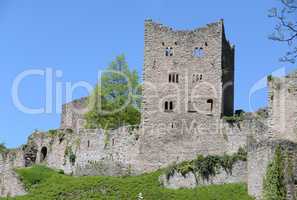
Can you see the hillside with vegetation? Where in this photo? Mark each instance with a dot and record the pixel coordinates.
(47, 184)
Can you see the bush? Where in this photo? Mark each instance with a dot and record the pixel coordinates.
(207, 166)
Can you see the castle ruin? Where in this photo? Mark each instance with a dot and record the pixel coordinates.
(188, 89)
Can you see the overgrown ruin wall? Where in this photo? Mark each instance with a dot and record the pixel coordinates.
(10, 185)
(260, 156)
(177, 181)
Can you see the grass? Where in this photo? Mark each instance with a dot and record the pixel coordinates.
(46, 184)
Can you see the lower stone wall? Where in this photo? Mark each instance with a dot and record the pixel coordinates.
(177, 181)
(10, 185)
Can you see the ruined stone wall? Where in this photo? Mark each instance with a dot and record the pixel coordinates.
(282, 104)
(10, 185)
(73, 114)
(95, 152)
(127, 149)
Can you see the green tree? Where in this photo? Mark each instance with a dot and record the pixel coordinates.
(116, 100)
(274, 182)
(2, 148)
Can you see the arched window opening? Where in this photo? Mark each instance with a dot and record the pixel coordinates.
(210, 104)
(176, 78)
(169, 78)
(198, 52)
(43, 154)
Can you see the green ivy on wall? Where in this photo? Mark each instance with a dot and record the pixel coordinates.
(274, 182)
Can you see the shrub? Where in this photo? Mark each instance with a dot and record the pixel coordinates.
(53, 132)
(207, 166)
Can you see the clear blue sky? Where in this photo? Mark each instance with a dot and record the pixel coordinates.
(80, 37)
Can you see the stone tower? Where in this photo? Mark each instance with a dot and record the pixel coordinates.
(188, 77)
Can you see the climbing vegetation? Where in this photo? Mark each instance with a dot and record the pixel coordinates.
(274, 182)
(207, 166)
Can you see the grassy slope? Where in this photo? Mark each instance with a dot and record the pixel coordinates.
(46, 184)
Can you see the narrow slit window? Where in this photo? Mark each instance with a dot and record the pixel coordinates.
(210, 104)
(166, 105)
(171, 105)
(173, 78)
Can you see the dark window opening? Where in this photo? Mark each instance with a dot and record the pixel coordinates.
(206, 44)
(175, 43)
(43, 154)
(197, 77)
(210, 104)
(199, 52)
(163, 43)
(169, 51)
(112, 141)
(88, 143)
(171, 105)
(168, 106)
(173, 78)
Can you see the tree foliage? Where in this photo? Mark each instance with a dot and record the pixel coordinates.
(2, 148)
(116, 100)
(274, 182)
(286, 27)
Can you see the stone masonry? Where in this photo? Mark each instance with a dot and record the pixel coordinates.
(188, 89)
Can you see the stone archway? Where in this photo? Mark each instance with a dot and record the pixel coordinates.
(43, 154)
